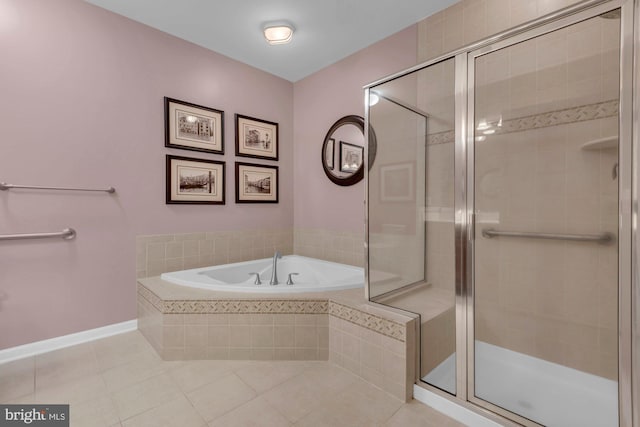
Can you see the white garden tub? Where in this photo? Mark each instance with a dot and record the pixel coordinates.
(314, 275)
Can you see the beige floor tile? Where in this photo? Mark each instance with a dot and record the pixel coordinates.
(17, 378)
(26, 399)
(221, 396)
(121, 378)
(128, 374)
(177, 413)
(193, 375)
(309, 390)
(363, 399)
(360, 404)
(329, 379)
(256, 413)
(121, 349)
(65, 365)
(416, 414)
(77, 391)
(264, 376)
(146, 395)
(294, 398)
(322, 418)
(100, 412)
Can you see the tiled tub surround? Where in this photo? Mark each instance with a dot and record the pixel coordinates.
(376, 344)
(161, 253)
(336, 246)
(157, 254)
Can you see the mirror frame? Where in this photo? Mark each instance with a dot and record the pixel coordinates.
(358, 175)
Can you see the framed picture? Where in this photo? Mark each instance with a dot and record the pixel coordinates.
(194, 181)
(330, 153)
(397, 183)
(193, 127)
(256, 183)
(350, 157)
(256, 138)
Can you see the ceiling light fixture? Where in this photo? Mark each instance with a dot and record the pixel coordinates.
(278, 33)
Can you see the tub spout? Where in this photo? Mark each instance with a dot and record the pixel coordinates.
(274, 270)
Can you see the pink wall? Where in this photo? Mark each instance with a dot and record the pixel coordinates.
(319, 101)
(82, 105)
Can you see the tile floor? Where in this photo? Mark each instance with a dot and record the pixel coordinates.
(120, 381)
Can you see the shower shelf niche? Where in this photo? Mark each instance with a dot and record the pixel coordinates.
(610, 142)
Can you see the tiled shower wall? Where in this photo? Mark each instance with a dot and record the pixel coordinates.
(556, 301)
(471, 20)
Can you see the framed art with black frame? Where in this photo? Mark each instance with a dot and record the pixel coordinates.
(195, 181)
(256, 183)
(193, 127)
(256, 138)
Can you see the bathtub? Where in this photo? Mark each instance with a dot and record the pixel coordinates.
(313, 276)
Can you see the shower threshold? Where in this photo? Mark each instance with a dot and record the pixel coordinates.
(545, 392)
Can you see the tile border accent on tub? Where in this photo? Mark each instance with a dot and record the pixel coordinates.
(369, 321)
(360, 318)
(234, 306)
(599, 110)
(152, 298)
(245, 307)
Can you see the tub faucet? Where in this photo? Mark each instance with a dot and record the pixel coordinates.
(274, 270)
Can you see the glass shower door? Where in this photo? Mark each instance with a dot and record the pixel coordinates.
(411, 220)
(545, 269)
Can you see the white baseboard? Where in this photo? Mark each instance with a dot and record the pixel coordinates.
(451, 409)
(45, 346)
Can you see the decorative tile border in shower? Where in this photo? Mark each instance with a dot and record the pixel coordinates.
(157, 254)
(582, 113)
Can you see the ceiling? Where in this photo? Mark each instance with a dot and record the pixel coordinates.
(326, 30)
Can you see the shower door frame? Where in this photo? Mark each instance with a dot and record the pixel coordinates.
(629, 184)
(625, 410)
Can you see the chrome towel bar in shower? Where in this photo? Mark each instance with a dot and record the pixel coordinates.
(598, 238)
(5, 186)
(66, 234)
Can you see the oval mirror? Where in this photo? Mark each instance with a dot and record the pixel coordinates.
(343, 150)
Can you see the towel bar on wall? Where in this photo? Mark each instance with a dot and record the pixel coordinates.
(4, 186)
(66, 234)
(598, 238)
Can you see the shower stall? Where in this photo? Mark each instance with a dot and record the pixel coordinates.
(501, 208)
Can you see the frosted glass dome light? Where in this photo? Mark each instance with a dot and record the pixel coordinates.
(278, 34)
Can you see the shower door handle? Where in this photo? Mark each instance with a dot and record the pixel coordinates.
(472, 226)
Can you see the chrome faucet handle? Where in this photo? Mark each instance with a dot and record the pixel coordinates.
(257, 281)
(289, 279)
